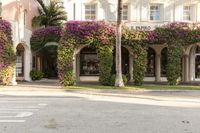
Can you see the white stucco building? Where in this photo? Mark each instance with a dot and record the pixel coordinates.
(140, 15)
(137, 14)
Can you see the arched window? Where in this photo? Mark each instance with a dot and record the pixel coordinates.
(125, 61)
(20, 61)
(89, 62)
(150, 63)
(197, 62)
(164, 62)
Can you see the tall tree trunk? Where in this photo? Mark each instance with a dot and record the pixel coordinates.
(118, 80)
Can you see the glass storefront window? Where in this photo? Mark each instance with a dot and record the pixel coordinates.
(197, 63)
(20, 61)
(150, 63)
(89, 62)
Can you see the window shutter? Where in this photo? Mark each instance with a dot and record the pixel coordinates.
(112, 12)
(133, 11)
(193, 13)
(144, 11)
(179, 13)
(198, 12)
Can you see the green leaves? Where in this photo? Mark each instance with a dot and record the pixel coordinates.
(52, 14)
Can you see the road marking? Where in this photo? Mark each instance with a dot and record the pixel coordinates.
(12, 121)
(24, 114)
(21, 109)
(42, 104)
(18, 115)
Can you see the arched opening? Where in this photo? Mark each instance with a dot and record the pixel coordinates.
(164, 62)
(151, 54)
(89, 62)
(45, 60)
(125, 62)
(197, 62)
(20, 52)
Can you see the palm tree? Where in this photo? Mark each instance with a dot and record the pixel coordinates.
(118, 80)
(52, 14)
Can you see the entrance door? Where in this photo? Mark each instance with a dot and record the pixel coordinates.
(20, 62)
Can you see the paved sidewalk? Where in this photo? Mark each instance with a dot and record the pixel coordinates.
(53, 89)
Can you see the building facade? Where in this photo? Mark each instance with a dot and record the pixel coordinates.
(140, 15)
(20, 13)
(137, 14)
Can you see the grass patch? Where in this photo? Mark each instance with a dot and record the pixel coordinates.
(145, 87)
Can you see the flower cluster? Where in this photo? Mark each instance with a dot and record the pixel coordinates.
(5, 27)
(87, 31)
(5, 30)
(44, 32)
(7, 56)
(44, 35)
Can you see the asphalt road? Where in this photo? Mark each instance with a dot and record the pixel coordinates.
(97, 114)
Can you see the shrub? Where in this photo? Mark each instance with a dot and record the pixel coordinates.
(7, 54)
(174, 64)
(36, 75)
(6, 75)
(139, 64)
(105, 64)
(112, 80)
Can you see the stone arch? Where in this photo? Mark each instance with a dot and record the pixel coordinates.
(45, 60)
(193, 56)
(23, 62)
(77, 62)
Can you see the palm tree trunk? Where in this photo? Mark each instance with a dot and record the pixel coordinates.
(118, 80)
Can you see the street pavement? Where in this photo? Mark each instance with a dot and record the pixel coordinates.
(65, 112)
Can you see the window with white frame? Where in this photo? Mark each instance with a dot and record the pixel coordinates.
(90, 12)
(125, 12)
(187, 13)
(155, 12)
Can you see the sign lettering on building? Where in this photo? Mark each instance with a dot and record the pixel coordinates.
(141, 28)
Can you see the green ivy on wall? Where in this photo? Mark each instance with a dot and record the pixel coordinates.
(105, 55)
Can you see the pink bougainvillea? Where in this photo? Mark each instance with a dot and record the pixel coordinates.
(44, 35)
(86, 31)
(7, 56)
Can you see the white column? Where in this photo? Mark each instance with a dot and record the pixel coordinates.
(14, 82)
(131, 67)
(74, 65)
(78, 67)
(183, 69)
(27, 64)
(14, 78)
(158, 67)
(186, 68)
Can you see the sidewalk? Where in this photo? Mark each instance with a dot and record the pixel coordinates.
(53, 89)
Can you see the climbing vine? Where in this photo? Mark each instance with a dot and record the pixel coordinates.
(94, 34)
(7, 55)
(101, 35)
(137, 41)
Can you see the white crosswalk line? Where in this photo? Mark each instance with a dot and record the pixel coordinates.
(14, 110)
(12, 121)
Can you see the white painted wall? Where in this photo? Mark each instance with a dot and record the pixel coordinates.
(138, 11)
